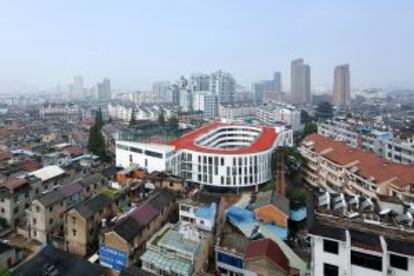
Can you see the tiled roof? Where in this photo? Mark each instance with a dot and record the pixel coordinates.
(13, 183)
(267, 248)
(59, 194)
(91, 206)
(272, 198)
(144, 214)
(74, 150)
(368, 163)
(48, 172)
(263, 142)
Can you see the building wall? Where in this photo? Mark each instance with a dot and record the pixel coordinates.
(319, 256)
(8, 258)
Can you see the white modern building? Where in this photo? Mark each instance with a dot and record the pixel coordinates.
(354, 236)
(236, 111)
(279, 113)
(217, 154)
(207, 102)
(186, 99)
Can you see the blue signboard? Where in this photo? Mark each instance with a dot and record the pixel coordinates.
(112, 258)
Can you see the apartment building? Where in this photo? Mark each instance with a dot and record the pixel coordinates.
(201, 214)
(14, 199)
(357, 133)
(46, 214)
(279, 113)
(235, 111)
(338, 167)
(123, 242)
(83, 222)
(355, 236)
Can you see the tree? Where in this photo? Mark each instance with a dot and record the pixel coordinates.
(132, 121)
(324, 111)
(173, 122)
(161, 118)
(309, 129)
(96, 141)
(305, 117)
(99, 118)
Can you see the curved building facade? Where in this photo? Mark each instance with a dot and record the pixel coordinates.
(217, 154)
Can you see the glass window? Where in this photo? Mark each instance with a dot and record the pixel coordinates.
(330, 246)
(330, 270)
(366, 260)
(399, 262)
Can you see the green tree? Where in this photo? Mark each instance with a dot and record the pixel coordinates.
(173, 122)
(132, 121)
(161, 118)
(309, 128)
(99, 118)
(305, 117)
(4, 272)
(96, 141)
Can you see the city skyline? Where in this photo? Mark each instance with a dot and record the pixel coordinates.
(63, 40)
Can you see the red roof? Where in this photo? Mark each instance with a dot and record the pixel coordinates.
(263, 142)
(30, 165)
(5, 156)
(74, 150)
(144, 214)
(368, 163)
(267, 248)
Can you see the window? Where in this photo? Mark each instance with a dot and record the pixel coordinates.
(185, 208)
(230, 260)
(2, 210)
(131, 158)
(137, 150)
(153, 154)
(50, 221)
(34, 221)
(37, 209)
(398, 262)
(330, 246)
(202, 222)
(74, 232)
(330, 270)
(366, 260)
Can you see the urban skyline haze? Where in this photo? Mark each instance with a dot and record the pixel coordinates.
(135, 43)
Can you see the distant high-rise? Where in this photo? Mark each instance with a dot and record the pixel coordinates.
(267, 86)
(104, 90)
(206, 102)
(200, 82)
(186, 99)
(342, 86)
(277, 82)
(300, 82)
(223, 85)
(161, 90)
(78, 87)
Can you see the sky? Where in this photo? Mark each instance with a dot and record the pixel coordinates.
(134, 43)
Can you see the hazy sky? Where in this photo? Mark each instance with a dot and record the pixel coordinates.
(44, 43)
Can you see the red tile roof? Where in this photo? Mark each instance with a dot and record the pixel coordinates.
(74, 150)
(267, 248)
(30, 165)
(368, 163)
(144, 214)
(5, 156)
(263, 142)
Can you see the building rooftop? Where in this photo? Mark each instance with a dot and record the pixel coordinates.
(272, 198)
(365, 163)
(93, 205)
(233, 242)
(332, 215)
(60, 194)
(263, 142)
(267, 248)
(52, 261)
(48, 172)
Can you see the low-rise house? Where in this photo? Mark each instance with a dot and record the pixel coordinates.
(14, 199)
(83, 222)
(46, 213)
(123, 242)
(163, 180)
(52, 261)
(201, 214)
(237, 255)
(176, 250)
(271, 207)
(49, 177)
(9, 255)
(265, 258)
(92, 183)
